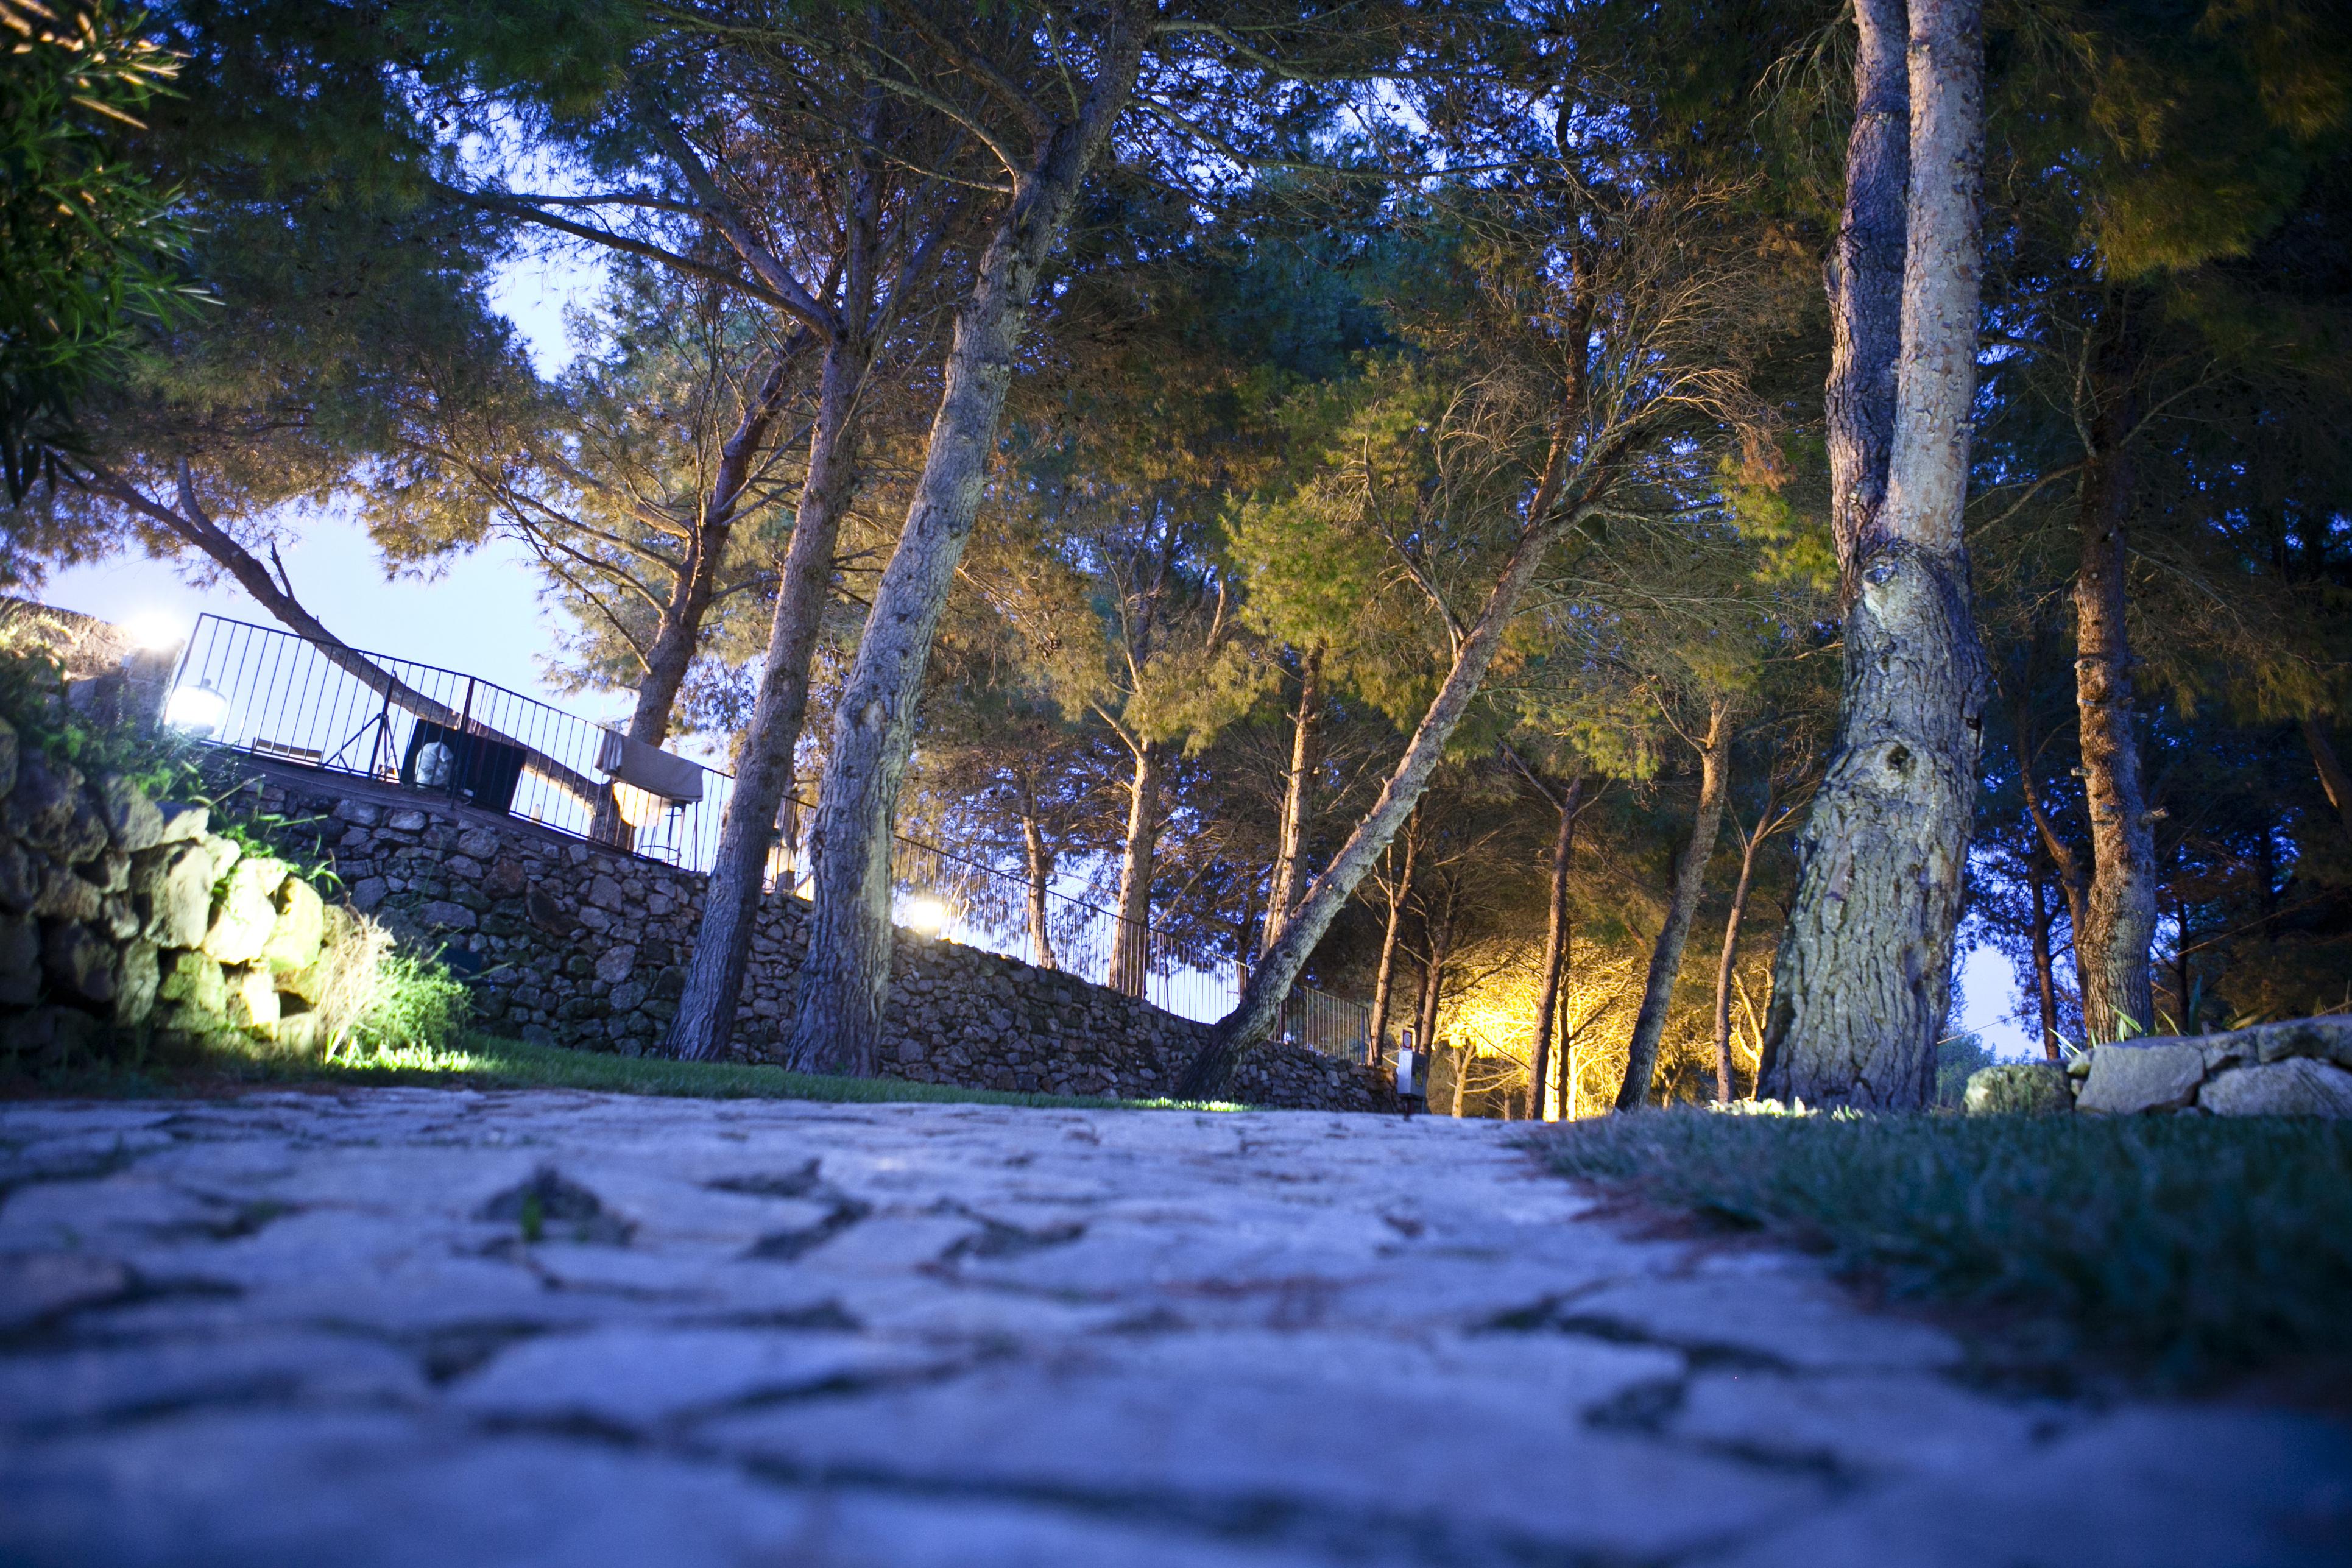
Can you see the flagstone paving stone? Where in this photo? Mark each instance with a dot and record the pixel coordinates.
(403, 1326)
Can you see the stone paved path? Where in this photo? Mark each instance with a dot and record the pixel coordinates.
(316, 1330)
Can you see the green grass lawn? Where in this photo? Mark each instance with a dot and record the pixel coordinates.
(482, 1062)
(2189, 1248)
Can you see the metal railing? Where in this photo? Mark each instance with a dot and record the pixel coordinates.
(274, 694)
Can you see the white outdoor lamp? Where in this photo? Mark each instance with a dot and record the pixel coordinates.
(197, 708)
(928, 916)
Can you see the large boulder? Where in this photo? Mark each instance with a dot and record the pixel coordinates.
(301, 926)
(247, 911)
(78, 961)
(20, 961)
(40, 807)
(66, 895)
(2318, 1040)
(194, 981)
(2017, 1089)
(20, 875)
(2295, 1085)
(133, 820)
(2136, 1076)
(137, 980)
(172, 886)
(253, 998)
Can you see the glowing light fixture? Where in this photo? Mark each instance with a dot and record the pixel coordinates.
(153, 631)
(197, 708)
(638, 807)
(928, 916)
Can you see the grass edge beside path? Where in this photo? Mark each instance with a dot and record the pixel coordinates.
(2190, 1249)
(484, 1061)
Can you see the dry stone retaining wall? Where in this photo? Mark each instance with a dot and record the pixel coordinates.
(567, 943)
(2301, 1067)
(118, 912)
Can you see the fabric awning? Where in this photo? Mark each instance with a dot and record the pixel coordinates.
(649, 768)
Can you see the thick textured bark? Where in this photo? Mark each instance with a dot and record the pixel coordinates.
(1290, 856)
(1864, 283)
(2111, 945)
(1863, 978)
(1131, 954)
(2044, 983)
(1384, 978)
(763, 775)
(1563, 855)
(1040, 876)
(1726, 966)
(1682, 903)
(845, 977)
(2332, 776)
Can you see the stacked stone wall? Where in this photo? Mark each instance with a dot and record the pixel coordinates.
(119, 913)
(567, 943)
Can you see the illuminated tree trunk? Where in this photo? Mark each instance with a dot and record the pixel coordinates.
(2112, 944)
(1290, 858)
(2332, 779)
(1041, 860)
(1130, 956)
(845, 976)
(1681, 904)
(2044, 983)
(1556, 938)
(1726, 966)
(1863, 974)
(1400, 894)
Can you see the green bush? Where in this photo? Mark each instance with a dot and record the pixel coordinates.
(2187, 1246)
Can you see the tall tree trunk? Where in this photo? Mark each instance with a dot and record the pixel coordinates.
(2112, 944)
(1131, 953)
(1728, 965)
(763, 775)
(2072, 883)
(1682, 903)
(1439, 932)
(1864, 974)
(2332, 776)
(1041, 859)
(1384, 978)
(678, 634)
(1290, 858)
(1563, 853)
(1864, 284)
(2045, 984)
(845, 976)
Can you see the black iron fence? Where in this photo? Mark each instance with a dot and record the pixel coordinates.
(274, 694)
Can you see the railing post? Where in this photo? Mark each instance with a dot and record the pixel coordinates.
(462, 753)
